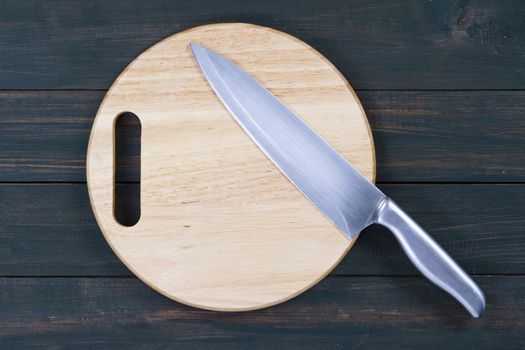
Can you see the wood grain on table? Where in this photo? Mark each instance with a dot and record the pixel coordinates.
(443, 85)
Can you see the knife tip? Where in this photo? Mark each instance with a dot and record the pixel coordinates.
(195, 48)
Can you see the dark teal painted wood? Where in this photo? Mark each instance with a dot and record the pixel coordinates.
(44, 135)
(49, 230)
(339, 313)
(420, 136)
(448, 136)
(378, 44)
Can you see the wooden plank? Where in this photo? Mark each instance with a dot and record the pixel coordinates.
(49, 230)
(448, 136)
(338, 313)
(378, 44)
(420, 136)
(44, 135)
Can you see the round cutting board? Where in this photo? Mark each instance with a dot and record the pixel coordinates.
(221, 228)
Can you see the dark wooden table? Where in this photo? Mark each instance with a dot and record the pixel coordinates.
(443, 84)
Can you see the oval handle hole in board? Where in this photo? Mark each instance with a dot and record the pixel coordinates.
(126, 207)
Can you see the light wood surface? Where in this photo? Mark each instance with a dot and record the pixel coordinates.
(221, 228)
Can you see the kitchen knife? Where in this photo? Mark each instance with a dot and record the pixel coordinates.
(326, 178)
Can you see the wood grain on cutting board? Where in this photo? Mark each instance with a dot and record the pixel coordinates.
(221, 228)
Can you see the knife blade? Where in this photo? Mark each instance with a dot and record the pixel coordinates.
(332, 184)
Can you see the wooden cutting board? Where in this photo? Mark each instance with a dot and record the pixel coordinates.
(221, 228)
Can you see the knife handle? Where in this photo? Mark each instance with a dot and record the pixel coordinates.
(430, 258)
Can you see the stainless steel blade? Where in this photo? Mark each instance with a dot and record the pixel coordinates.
(347, 198)
(331, 183)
